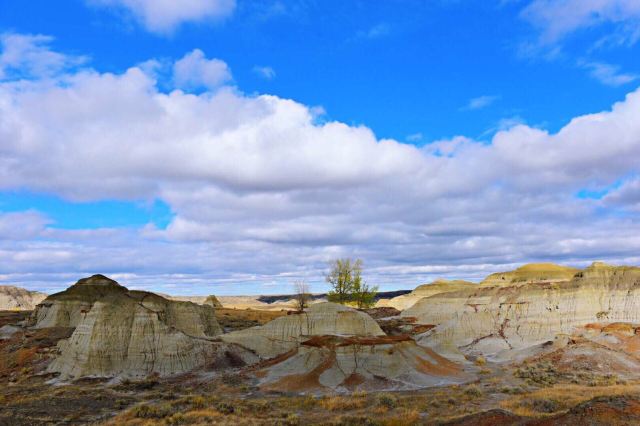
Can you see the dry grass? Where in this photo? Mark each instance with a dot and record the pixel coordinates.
(561, 398)
(250, 314)
(341, 403)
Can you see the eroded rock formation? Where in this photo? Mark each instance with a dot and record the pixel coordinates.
(496, 320)
(426, 290)
(532, 272)
(16, 298)
(131, 333)
(339, 363)
(284, 334)
(331, 347)
(69, 307)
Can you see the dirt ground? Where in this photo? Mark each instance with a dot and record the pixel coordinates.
(533, 394)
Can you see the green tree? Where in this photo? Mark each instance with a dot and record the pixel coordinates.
(341, 279)
(347, 285)
(362, 294)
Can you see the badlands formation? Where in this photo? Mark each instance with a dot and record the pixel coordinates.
(438, 286)
(329, 347)
(333, 347)
(503, 321)
(18, 299)
(543, 344)
(118, 332)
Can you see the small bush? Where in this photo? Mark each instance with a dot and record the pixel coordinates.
(481, 361)
(292, 419)
(197, 402)
(388, 401)
(151, 411)
(225, 408)
(545, 405)
(473, 391)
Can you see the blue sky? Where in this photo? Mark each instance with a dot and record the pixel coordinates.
(401, 108)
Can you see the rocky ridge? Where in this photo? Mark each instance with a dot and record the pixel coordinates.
(426, 290)
(18, 299)
(497, 320)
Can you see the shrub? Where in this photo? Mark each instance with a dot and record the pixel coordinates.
(473, 391)
(151, 411)
(225, 408)
(388, 401)
(292, 419)
(545, 405)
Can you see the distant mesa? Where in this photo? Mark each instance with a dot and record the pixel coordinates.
(532, 272)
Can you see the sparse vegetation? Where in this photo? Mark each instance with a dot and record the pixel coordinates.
(301, 295)
(348, 286)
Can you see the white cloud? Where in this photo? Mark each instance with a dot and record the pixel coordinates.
(608, 74)
(480, 102)
(627, 196)
(557, 19)
(164, 16)
(262, 191)
(21, 225)
(267, 73)
(194, 70)
(30, 56)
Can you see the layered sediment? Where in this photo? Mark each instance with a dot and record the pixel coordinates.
(494, 320)
(426, 290)
(285, 333)
(18, 299)
(131, 333)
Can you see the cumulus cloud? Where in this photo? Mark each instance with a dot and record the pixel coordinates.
(194, 70)
(627, 196)
(263, 192)
(164, 16)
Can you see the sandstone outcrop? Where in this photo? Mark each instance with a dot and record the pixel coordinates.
(69, 307)
(16, 298)
(132, 333)
(283, 334)
(331, 347)
(426, 290)
(532, 272)
(212, 301)
(497, 320)
(344, 364)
